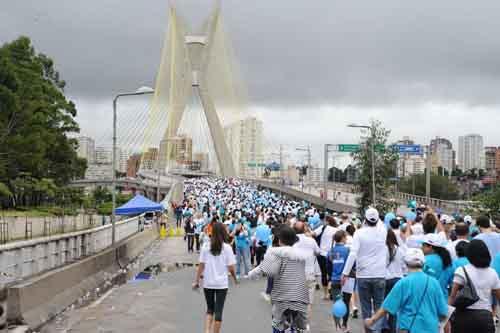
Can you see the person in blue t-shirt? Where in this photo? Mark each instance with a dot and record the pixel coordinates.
(338, 257)
(437, 261)
(263, 241)
(417, 299)
(488, 236)
(242, 240)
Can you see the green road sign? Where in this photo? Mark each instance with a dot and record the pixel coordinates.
(379, 148)
(350, 148)
(253, 165)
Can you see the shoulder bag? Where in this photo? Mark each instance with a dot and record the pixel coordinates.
(467, 295)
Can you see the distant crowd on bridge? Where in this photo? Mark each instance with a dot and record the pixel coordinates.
(422, 272)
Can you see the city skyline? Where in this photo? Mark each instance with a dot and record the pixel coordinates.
(429, 83)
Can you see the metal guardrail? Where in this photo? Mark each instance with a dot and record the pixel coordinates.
(26, 258)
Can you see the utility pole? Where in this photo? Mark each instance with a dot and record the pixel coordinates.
(281, 164)
(325, 172)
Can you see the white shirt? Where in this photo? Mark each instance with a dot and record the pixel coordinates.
(451, 248)
(397, 267)
(484, 279)
(326, 239)
(215, 275)
(369, 252)
(415, 241)
(310, 248)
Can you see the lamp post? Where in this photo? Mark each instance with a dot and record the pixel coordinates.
(140, 91)
(372, 147)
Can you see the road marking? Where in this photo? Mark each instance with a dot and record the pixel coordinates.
(101, 299)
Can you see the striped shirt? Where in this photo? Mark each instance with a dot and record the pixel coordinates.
(287, 267)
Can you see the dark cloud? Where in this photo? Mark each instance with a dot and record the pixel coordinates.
(291, 52)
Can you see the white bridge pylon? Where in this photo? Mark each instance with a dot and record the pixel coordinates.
(197, 64)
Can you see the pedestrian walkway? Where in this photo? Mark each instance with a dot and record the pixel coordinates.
(168, 304)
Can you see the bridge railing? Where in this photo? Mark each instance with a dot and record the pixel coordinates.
(26, 258)
(447, 206)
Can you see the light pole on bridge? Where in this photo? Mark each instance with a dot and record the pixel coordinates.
(140, 91)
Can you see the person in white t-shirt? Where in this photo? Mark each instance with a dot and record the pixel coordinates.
(478, 316)
(369, 251)
(325, 234)
(216, 261)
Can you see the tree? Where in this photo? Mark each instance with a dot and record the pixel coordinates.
(35, 121)
(457, 172)
(384, 168)
(441, 187)
(490, 201)
(336, 175)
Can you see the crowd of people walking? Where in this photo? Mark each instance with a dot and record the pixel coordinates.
(421, 272)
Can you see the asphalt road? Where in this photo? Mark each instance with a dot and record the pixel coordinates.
(167, 304)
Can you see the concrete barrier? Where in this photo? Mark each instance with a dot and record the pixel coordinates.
(41, 298)
(296, 194)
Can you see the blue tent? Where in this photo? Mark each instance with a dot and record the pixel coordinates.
(139, 205)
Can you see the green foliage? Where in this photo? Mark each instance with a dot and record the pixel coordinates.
(36, 155)
(441, 187)
(490, 201)
(384, 168)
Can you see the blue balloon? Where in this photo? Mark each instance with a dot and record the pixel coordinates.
(412, 204)
(339, 309)
(410, 216)
(388, 218)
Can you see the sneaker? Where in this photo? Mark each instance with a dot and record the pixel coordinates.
(266, 297)
(355, 313)
(496, 320)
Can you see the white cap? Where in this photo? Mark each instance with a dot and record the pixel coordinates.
(371, 215)
(433, 240)
(446, 219)
(414, 257)
(468, 219)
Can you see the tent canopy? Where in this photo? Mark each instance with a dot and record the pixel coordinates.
(139, 205)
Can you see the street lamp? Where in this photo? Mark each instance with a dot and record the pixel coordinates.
(138, 92)
(372, 146)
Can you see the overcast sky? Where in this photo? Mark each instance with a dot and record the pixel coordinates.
(424, 68)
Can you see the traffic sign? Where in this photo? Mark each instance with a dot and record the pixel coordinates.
(379, 148)
(349, 148)
(409, 149)
(352, 148)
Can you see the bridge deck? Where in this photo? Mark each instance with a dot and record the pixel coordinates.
(167, 304)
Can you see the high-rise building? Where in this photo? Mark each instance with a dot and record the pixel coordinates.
(103, 155)
(101, 171)
(149, 159)
(471, 152)
(245, 141)
(200, 161)
(86, 149)
(411, 165)
(443, 155)
(133, 165)
(490, 160)
(497, 163)
(315, 174)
